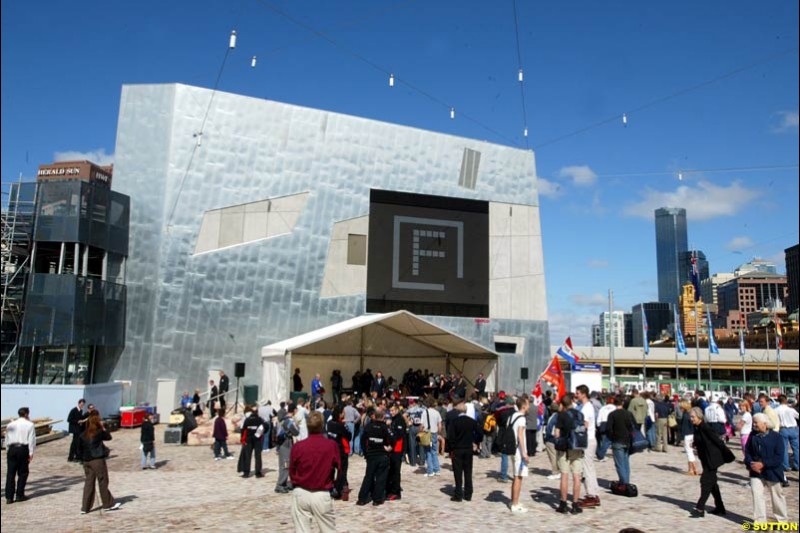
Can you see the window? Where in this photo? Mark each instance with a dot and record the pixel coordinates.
(356, 249)
(505, 347)
(470, 162)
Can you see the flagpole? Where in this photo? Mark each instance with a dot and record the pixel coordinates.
(778, 351)
(697, 345)
(710, 378)
(744, 368)
(677, 326)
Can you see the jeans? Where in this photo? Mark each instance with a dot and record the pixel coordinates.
(622, 462)
(351, 427)
(413, 447)
(432, 454)
(357, 442)
(651, 436)
(267, 436)
(789, 439)
(503, 466)
(151, 453)
(602, 448)
(220, 445)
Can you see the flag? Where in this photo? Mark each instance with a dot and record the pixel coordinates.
(566, 352)
(695, 275)
(712, 343)
(741, 343)
(644, 333)
(778, 338)
(680, 344)
(537, 390)
(555, 377)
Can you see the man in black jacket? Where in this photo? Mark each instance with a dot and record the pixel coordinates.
(462, 433)
(376, 443)
(224, 387)
(398, 428)
(619, 426)
(75, 428)
(148, 441)
(254, 426)
(338, 433)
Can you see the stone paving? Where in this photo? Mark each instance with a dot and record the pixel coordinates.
(191, 492)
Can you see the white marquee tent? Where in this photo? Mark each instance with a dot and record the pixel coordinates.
(390, 342)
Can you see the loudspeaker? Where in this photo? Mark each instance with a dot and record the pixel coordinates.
(239, 370)
(173, 435)
(523, 372)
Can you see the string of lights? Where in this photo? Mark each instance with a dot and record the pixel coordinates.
(521, 76)
(625, 115)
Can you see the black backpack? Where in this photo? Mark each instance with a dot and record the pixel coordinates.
(506, 440)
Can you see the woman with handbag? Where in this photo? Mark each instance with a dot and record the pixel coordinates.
(713, 454)
(94, 452)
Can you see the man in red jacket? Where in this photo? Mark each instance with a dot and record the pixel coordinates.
(312, 464)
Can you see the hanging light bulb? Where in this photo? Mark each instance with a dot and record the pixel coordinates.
(525, 132)
(391, 80)
(624, 119)
(520, 75)
(232, 42)
(253, 61)
(452, 112)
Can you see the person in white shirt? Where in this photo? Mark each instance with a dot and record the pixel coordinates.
(20, 443)
(651, 412)
(300, 419)
(592, 498)
(520, 463)
(602, 418)
(745, 425)
(431, 420)
(788, 420)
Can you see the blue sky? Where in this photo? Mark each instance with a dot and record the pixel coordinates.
(63, 65)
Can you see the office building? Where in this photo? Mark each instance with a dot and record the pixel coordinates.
(612, 328)
(793, 278)
(747, 294)
(659, 318)
(671, 242)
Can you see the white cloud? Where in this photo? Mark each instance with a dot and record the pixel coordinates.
(581, 175)
(578, 326)
(547, 188)
(598, 263)
(738, 243)
(98, 156)
(786, 121)
(704, 202)
(589, 300)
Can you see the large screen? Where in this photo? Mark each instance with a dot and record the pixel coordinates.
(428, 255)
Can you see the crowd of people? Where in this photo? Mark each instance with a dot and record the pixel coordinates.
(426, 415)
(388, 426)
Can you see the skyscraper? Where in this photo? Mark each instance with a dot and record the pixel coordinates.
(671, 240)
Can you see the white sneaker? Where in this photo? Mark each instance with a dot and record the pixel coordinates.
(217, 458)
(230, 458)
(114, 507)
(554, 476)
(437, 473)
(518, 509)
(428, 475)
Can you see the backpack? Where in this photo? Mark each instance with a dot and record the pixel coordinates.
(506, 440)
(489, 424)
(577, 439)
(286, 428)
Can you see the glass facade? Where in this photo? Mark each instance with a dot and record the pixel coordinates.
(671, 241)
(659, 319)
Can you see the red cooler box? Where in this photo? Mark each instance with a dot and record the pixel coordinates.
(132, 418)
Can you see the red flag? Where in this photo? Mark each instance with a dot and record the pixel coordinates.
(568, 342)
(537, 390)
(555, 378)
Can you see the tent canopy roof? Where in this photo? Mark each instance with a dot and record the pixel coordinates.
(397, 334)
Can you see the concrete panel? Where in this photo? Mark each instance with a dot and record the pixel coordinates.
(521, 256)
(500, 298)
(231, 227)
(499, 257)
(208, 236)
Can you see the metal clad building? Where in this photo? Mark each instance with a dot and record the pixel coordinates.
(258, 229)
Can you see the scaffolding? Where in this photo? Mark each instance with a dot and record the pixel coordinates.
(16, 246)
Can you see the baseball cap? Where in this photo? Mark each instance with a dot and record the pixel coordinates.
(501, 395)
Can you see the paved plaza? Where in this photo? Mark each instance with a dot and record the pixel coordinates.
(192, 492)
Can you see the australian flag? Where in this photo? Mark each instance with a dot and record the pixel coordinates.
(566, 352)
(695, 275)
